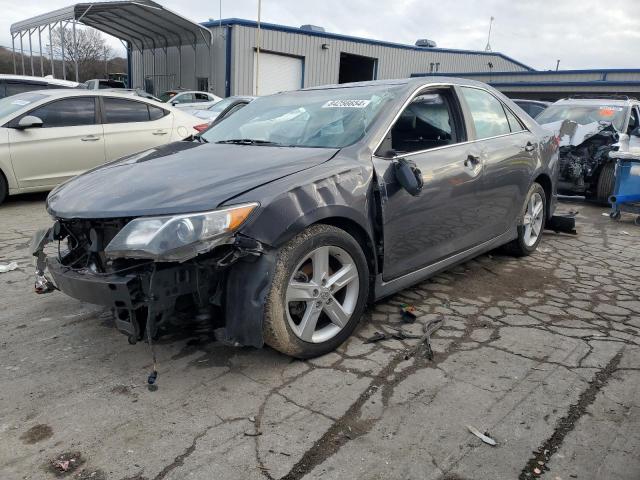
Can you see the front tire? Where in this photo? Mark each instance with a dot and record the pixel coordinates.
(318, 293)
(606, 181)
(4, 188)
(530, 222)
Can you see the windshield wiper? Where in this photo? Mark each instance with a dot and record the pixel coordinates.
(248, 141)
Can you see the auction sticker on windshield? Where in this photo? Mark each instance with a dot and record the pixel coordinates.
(346, 104)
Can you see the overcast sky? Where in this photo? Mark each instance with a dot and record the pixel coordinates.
(581, 33)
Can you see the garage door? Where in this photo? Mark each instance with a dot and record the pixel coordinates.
(278, 73)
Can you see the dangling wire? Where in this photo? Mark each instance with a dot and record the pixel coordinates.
(153, 376)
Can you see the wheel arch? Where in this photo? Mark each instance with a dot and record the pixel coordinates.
(545, 182)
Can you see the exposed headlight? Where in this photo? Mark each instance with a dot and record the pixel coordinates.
(177, 238)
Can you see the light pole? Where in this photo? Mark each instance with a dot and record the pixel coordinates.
(488, 47)
(258, 50)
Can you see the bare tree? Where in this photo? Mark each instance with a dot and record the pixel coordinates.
(90, 50)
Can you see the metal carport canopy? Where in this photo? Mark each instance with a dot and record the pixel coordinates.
(142, 23)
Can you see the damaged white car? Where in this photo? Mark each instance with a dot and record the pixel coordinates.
(588, 130)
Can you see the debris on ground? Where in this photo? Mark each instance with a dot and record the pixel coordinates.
(409, 313)
(252, 419)
(400, 334)
(376, 337)
(252, 434)
(7, 267)
(67, 462)
(624, 232)
(563, 223)
(482, 436)
(425, 340)
(43, 285)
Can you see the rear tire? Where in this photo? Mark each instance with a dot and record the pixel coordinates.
(325, 269)
(4, 188)
(530, 223)
(606, 182)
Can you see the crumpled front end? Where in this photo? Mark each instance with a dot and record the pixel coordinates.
(584, 150)
(145, 294)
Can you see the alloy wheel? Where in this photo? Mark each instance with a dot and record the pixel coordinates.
(533, 218)
(322, 294)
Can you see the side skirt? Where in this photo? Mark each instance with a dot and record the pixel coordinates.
(384, 289)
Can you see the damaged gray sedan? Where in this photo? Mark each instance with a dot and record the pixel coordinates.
(291, 215)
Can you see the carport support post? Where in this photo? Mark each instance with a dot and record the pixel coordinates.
(13, 49)
(53, 73)
(179, 66)
(41, 59)
(75, 51)
(195, 66)
(64, 63)
(22, 52)
(31, 55)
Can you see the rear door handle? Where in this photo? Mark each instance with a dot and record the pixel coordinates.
(529, 147)
(160, 132)
(90, 138)
(472, 159)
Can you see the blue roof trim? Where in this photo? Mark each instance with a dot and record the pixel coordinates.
(534, 72)
(349, 38)
(593, 83)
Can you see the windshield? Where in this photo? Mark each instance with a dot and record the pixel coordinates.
(9, 105)
(221, 105)
(585, 114)
(331, 118)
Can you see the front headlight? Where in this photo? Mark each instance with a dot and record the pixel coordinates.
(177, 238)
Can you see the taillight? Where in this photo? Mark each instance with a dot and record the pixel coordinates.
(202, 127)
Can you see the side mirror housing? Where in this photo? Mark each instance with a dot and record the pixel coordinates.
(29, 121)
(409, 176)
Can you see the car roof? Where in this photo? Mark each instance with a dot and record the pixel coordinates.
(528, 100)
(597, 101)
(414, 82)
(82, 92)
(28, 78)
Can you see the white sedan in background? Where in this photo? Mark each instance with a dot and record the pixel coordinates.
(49, 136)
(189, 99)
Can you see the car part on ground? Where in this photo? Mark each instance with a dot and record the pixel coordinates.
(77, 130)
(355, 192)
(589, 130)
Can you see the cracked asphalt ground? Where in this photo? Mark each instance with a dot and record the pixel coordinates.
(542, 353)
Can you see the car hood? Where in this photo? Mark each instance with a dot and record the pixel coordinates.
(178, 178)
(574, 134)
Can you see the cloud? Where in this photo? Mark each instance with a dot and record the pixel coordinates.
(581, 33)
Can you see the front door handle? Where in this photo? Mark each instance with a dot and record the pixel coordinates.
(529, 147)
(160, 132)
(472, 160)
(90, 138)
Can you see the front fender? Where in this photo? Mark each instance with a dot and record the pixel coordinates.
(301, 202)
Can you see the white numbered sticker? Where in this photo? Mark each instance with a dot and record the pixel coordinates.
(346, 104)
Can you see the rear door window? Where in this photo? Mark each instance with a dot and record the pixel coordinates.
(69, 112)
(514, 123)
(120, 110)
(487, 113)
(183, 98)
(156, 113)
(14, 88)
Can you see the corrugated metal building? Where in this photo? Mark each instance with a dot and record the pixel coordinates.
(553, 85)
(294, 58)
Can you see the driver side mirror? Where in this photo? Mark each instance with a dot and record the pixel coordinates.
(29, 121)
(409, 176)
